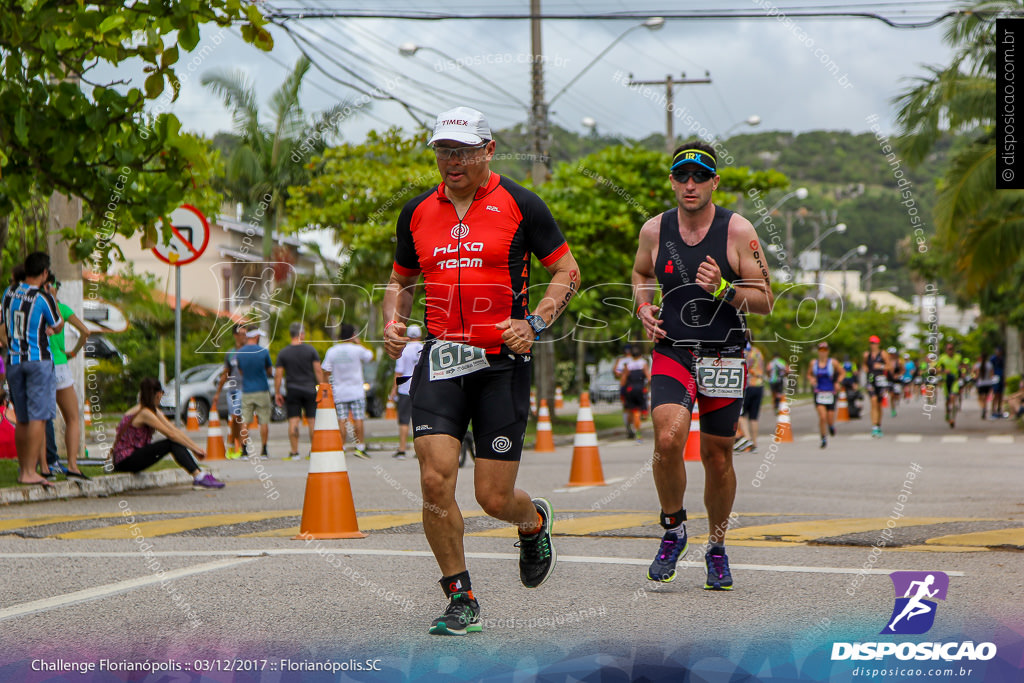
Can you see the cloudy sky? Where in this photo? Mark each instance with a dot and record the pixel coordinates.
(805, 75)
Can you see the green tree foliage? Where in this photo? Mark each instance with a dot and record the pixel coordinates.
(982, 229)
(357, 191)
(601, 202)
(266, 158)
(78, 138)
(150, 338)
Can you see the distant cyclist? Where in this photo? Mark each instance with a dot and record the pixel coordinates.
(949, 366)
(877, 366)
(826, 376)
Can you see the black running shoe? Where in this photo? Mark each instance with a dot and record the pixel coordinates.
(719, 577)
(824, 442)
(536, 554)
(664, 566)
(831, 430)
(461, 617)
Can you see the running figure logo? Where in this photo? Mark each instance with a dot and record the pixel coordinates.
(914, 613)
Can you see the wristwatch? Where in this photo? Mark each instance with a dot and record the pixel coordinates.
(729, 294)
(537, 323)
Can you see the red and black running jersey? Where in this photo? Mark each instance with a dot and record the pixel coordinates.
(476, 271)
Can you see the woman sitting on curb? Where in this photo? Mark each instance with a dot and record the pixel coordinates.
(132, 450)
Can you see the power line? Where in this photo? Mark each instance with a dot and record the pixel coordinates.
(798, 13)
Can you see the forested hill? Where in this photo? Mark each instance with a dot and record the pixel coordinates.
(823, 156)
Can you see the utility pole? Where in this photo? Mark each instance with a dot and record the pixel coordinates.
(544, 356)
(670, 83)
(65, 212)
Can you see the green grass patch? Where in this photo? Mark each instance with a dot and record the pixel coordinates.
(9, 470)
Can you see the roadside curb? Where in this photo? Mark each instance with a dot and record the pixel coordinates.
(99, 487)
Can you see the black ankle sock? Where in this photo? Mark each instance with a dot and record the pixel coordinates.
(458, 583)
(716, 549)
(674, 520)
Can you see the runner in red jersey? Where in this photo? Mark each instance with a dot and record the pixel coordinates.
(710, 269)
(471, 239)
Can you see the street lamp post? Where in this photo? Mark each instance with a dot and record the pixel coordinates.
(840, 228)
(871, 271)
(799, 193)
(752, 120)
(859, 250)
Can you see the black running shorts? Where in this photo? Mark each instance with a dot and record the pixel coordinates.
(297, 402)
(495, 399)
(673, 382)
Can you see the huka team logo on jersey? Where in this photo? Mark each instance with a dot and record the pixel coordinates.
(916, 592)
(460, 231)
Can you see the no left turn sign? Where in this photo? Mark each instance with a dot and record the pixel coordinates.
(190, 233)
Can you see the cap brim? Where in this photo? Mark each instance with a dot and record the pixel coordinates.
(464, 138)
(695, 163)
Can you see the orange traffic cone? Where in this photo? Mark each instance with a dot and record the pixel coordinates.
(545, 442)
(559, 400)
(586, 460)
(254, 425)
(391, 411)
(692, 450)
(88, 415)
(842, 408)
(328, 510)
(783, 428)
(192, 424)
(885, 400)
(214, 438)
(533, 402)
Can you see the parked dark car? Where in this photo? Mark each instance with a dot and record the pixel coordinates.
(98, 347)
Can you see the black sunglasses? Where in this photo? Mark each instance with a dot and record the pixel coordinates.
(700, 175)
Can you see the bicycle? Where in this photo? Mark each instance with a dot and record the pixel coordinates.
(952, 401)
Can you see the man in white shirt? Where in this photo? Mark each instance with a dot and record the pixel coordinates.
(344, 362)
(404, 366)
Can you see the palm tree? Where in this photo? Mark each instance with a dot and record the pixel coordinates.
(272, 156)
(981, 229)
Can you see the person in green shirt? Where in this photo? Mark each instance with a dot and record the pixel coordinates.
(67, 397)
(950, 364)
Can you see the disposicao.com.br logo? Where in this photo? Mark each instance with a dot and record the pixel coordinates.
(912, 614)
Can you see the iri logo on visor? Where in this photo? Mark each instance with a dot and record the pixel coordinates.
(916, 592)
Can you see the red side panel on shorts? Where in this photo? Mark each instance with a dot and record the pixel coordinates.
(663, 365)
(712, 403)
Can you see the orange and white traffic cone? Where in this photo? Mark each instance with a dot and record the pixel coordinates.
(533, 402)
(692, 450)
(783, 427)
(586, 460)
(192, 424)
(391, 411)
(842, 408)
(885, 400)
(328, 510)
(88, 415)
(545, 441)
(215, 438)
(559, 400)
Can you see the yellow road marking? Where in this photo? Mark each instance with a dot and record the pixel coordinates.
(165, 527)
(26, 522)
(581, 526)
(796, 532)
(983, 539)
(371, 523)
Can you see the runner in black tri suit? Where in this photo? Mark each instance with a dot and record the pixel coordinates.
(877, 368)
(709, 266)
(471, 238)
